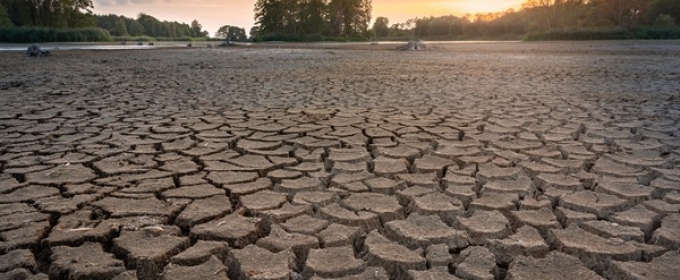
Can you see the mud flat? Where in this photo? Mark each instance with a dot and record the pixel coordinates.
(331, 161)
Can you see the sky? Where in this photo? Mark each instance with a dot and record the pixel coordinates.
(214, 13)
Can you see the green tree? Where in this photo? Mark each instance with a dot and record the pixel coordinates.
(119, 29)
(197, 29)
(231, 33)
(655, 8)
(134, 28)
(664, 20)
(380, 27)
(254, 31)
(4, 17)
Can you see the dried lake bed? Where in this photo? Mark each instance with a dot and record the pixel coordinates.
(504, 160)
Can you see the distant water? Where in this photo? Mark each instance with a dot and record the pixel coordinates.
(134, 46)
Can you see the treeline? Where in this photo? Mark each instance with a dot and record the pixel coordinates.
(291, 19)
(551, 19)
(47, 13)
(146, 25)
(24, 21)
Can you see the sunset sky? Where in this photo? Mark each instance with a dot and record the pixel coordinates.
(215, 13)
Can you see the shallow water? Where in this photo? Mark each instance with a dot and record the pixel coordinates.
(134, 46)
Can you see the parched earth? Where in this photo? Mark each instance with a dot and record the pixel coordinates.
(333, 161)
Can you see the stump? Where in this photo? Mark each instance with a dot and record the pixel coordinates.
(36, 51)
(414, 46)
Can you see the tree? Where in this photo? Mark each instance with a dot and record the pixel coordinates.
(4, 17)
(134, 28)
(656, 8)
(119, 29)
(623, 12)
(305, 17)
(380, 27)
(231, 33)
(197, 29)
(254, 31)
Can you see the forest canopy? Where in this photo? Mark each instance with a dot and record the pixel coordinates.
(304, 17)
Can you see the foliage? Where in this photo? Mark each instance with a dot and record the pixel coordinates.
(146, 25)
(4, 17)
(32, 34)
(50, 13)
(381, 27)
(159, 39)
(299, 18)
(231, 33)
(664, 20)
(639, 33)
(554, 20)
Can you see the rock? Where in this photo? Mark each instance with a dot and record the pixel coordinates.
(503, 202)
(478, 263)
(203, 210)
(149, 250)
(337, 235)
(305, 224)
(668, 235)
(335, 213)
(122, 207)
(556, 266)
(26, 237)
(638, 216)
(613, 230)
(523, 186)
(88, 261)
(595, 251)
(303, 184)
(193, 192)
(287, 211)
(262, 201)
(213, 269)
(525, 242)
(255, 263)
(36, 51)
(17, 259)
(568, 217)
(396, 259)
(16, 274)
(626, 188)
(333, 263)
(414, 46)
(384, 185)
(75, 229)
(421, 231)
(371, 273)
(279, 240)
(430, 275)
(485, 225)
(601, 205)
(543, 219)
(436, 203)
(201, 252)
(239, 231)
(664, 267)
(386, 207)
(438, 255)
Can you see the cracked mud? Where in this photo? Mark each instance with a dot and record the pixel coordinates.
(468, 161)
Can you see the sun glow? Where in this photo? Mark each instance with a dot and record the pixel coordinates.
(474, 7)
